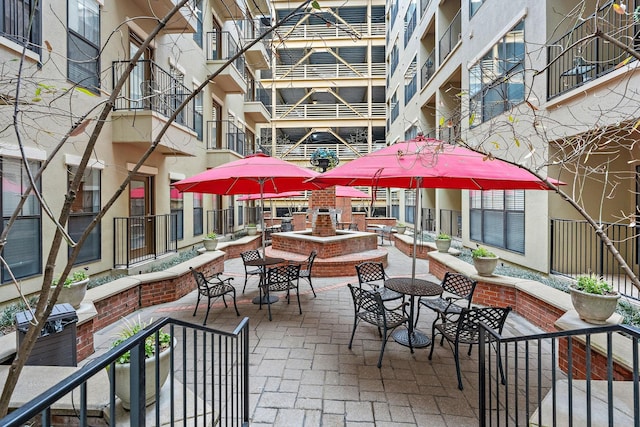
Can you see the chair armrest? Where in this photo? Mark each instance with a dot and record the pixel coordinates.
(215, 278)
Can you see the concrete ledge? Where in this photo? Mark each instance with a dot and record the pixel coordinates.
(404, 243)
(622, 404)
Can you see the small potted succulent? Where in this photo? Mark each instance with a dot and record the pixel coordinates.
(210, 241)
(484, 261)
(252, 229)
(401, 227)
(73, 289)
(443, 242)
(123, 365)
(593, 299)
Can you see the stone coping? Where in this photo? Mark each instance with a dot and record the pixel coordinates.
(237, 242)
(622, 348)
(408, 239)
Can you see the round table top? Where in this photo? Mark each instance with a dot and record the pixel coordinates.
(264, 262)
(417, 287)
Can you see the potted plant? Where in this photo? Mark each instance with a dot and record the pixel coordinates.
(484, 261)
(401, 227)
(252, 230)
(123, 366)
(74, 288)
(443, 242)
(593, 299)
(210, 241)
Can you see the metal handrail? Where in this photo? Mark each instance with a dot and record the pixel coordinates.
(230, 376)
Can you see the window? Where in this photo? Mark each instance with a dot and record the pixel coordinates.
(197, 114)
(496, 82)
(83, 43)
(393, 11)
(23, 251)
(84, 209)
(395, 107)
(14, 22)
(394, 59)
(177, 208)
(474, 5)
(409, 22)
(410, 81)
(497, 218)
(197, 36)
(198, 218)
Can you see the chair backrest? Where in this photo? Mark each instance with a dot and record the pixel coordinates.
(353, 226)
(370, 272)
(387, 229)
(470, 319)
(283, 274)
(312, 257)
(201, 281)
(366, 300)
(250, 255)
(459, 285)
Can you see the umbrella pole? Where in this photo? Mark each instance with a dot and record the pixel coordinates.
(264, 255)
(416, 221)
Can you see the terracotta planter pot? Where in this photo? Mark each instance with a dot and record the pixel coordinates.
(593, 308)
(485, 265)
(443, 245)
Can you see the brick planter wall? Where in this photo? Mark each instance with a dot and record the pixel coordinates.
(543, 315)
(406, 247)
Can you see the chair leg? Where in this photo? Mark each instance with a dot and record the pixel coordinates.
(415, 325)
(234, 302)
(353, 333)
(312, 290)
(433, 337)
(246, 278)
(457, 357)
(298, 296)
(224, 301)
(384, 344)
(197, 303)
(206, 316)
(266, 293)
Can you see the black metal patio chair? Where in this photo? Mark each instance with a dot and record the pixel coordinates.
(372, 273)
(457, 293)
(370, 308)
(282, 278)
(465, 330)
(306, 269)
(213, 287)
(250, 255)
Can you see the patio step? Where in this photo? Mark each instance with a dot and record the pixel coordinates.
(622, 399)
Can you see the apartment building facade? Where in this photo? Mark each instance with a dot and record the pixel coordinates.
(328, 82)
(529, 82)
(75, 52)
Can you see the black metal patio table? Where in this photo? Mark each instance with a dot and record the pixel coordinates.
(412, 337)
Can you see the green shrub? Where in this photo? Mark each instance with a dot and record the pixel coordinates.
(443, 236)
(593, 285)
(132, 328)
(482, 252)
(76, 276)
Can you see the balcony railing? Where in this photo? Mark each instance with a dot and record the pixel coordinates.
(220, 382)
(561, 378)
(149, 87)
(304, 151)
(428, 68)
(325, 71)
(591, 58)
(334, 31)
(450, 37)
(259, 94)
(330, 111)
(232, 138)
(410, 27)
(143, 238)
(576, 250)
(223, 46)
(15, 23)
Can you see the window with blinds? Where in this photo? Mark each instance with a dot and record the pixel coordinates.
(496, 218)
(83, 43)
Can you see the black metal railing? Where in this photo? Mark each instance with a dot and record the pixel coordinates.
(233, 138)
(450, 37)
(450, 222)
(428, 219)
(575, 250)
(223, 46)
(592, 57)
(149, 87)
(15, 23)
(259, 94)
(428, 69)
(143, 238)
(209, 364)
(559, 378)
(221, 221)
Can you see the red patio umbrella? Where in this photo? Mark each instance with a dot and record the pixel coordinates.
(354, 193)
(430, 163)
(255, 174)
(282, 195)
